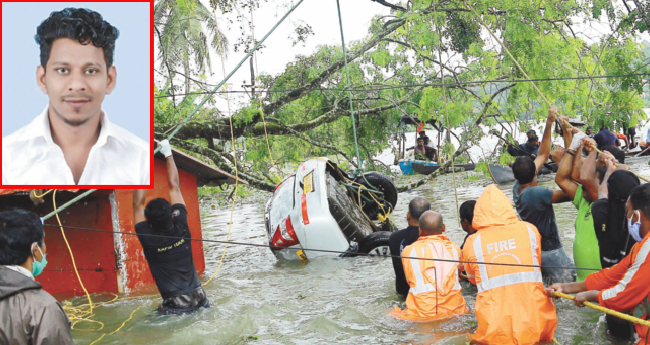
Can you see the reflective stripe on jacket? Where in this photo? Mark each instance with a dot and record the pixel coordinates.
(624, 286)
(511, 306)
(435, 292)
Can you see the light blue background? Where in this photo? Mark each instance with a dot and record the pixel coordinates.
(127, 106)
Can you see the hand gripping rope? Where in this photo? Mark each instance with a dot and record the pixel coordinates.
(84, 316)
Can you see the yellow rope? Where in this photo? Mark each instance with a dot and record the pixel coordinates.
(616, 164)
(119, 328)
(444, 97)
(42, 195)
(234, 198)
(268, 147)
(257, 78)
(84, 315)
(606, 310)
(555, 341)
(522, 70)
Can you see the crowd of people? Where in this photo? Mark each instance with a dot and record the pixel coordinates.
(511, 253)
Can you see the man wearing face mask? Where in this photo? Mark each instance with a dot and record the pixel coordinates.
(29, 314)
(623, 287)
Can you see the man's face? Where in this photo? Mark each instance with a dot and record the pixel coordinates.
(534, 143)
(588, 131)
(76, 80)
(420, 142)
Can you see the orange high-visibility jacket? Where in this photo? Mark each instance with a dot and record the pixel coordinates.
(626, 286)
(511, 306)
(435, 290)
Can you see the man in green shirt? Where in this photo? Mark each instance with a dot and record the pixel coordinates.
(581, 184)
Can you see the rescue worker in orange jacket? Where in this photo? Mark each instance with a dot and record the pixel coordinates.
(435, 288)
(623, 287)
(511, 305)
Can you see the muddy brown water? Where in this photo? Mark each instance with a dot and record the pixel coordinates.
(258, 300)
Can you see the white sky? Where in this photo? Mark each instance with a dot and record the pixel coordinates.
(323, 18)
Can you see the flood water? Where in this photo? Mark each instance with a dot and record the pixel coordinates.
(258, 300)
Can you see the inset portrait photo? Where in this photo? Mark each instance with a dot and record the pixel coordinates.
(76, 94)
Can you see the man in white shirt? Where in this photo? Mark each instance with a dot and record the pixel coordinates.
(72, 141)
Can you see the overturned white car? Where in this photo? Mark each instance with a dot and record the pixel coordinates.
(321, 207)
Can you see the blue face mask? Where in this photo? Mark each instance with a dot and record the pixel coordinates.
(635, 229)
(38, 266)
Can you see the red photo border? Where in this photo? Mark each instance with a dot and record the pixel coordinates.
(151, 139)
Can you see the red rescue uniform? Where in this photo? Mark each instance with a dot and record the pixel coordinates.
(625, 286)
(511, 305)
(435, 291)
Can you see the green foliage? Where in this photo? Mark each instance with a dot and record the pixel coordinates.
(537, 34)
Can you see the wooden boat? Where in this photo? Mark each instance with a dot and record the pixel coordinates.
(503, 174)
(426, 168)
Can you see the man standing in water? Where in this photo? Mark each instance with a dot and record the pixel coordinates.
(535, 205)
(72, 141)
(398, 240)
(435, 291)
(165, 237)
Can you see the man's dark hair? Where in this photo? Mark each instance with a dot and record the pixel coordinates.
(420, 138)
(159, 214)
(466, 210)
(85, 26)
(533, 139)
(640, 199)
(600, 173)
(417, 206)
(524, 169)
(616, 152)
(18, 230)
(590, 127)
(531, 132)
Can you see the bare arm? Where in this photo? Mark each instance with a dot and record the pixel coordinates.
(563, 176)
(139, 196)
(560, 196)
(175, 195)
(545, 150)
(602, 191)
(577, 165)
(588, 175)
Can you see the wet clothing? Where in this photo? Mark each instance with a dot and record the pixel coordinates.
(511, 305)
(586, 252)
(557, 267)
(435, 291)
(534, 206)
(30, 316)
(170, 259)
(613, 242)
(605, 138)
(185, 303)
(522, 150)
(610, 218)
(624, 286)
(397, 241)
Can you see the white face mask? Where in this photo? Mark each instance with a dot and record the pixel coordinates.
(635, 229)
